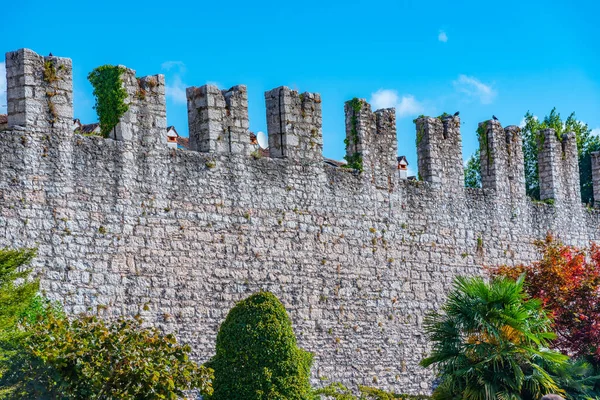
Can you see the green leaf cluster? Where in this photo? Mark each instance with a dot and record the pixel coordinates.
(15, 297)
(490, 342)
(355, 160)
(337, 391)
(473, 171)
(257, 356)
(110, 96)
(586, 144)
(45, 355)
(87, 358)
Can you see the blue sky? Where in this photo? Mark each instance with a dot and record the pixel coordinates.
(424, 57)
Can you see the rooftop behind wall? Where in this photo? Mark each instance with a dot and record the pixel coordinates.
(126, 226)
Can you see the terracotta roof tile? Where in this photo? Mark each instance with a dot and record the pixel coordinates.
(335, 163)
(253, 139)
(183, 142)
(89, 128)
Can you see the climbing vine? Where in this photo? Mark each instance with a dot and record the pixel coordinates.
(355, 160)
(444, 116)
(50, 76)
(483, 137)
(420, 129)
(110, 96)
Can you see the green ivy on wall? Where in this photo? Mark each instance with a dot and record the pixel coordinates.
(110, 96)
(355, 160)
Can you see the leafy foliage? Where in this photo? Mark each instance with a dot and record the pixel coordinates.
(257, 356)
(355, 160)
(110, 96)
(15, 298)
(578, 378)
(88, 358)
(586, 143)
(473, 171)
(337, 391)
(567, 282)
(15, 301)
(488, 342)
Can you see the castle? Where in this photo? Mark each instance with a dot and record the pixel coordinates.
(131, 226)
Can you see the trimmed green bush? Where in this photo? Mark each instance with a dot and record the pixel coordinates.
(257, 356)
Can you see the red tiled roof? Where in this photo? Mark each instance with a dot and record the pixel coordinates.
(335, 163)
(89, 128)
(253, 139)
(183, 141)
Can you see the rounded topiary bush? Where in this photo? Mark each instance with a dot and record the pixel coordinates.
(257, 356)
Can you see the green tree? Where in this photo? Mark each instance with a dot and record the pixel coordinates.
(586, 143)
(473, 171)
(15, 297)
(87, 358)
(257, 356)
(15, 300)
(489, 342)
(110, 96)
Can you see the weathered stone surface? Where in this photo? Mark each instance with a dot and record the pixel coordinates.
(372, 135)
(218, 119)
(122, 223)
(294, 125)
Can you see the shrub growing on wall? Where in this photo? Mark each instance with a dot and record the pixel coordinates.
(257, 356)
(110, 96)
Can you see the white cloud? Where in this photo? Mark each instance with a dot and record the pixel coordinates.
(474, 88)
(2, 87)
(384, 98)
(175, 87)
(596, 132)
(442, 37)
(169, 65)
(523, 122)
(405, 106)
(409, 106)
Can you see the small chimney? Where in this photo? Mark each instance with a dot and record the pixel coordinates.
(402, 167)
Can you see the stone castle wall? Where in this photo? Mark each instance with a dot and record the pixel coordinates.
(358, 259)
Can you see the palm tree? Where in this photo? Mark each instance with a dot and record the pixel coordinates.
(490, 342)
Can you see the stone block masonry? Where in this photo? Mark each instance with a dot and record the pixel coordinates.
(218, 119)
(125, 223)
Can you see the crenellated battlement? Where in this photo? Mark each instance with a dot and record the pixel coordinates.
(501, 159)
(218, 119)
(127, 225)
(39, 91)
(558, 167)
(294, 124)
(371, 138)
(145, 121)
(439, 151)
